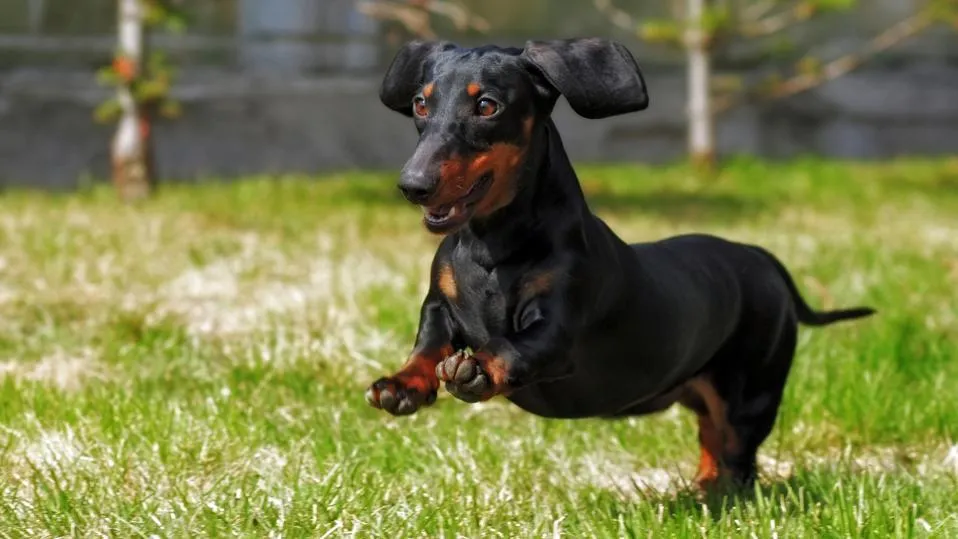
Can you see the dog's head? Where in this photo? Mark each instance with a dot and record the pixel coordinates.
(477, 111)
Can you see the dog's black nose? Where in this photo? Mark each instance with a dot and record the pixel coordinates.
(415, 194)
(416, 186)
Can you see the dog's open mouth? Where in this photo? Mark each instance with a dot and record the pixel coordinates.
(445, 217)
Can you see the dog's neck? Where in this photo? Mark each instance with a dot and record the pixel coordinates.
(548, 194)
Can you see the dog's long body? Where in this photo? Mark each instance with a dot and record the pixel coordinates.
(534, 298)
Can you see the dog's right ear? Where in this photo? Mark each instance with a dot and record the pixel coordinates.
(405, 74)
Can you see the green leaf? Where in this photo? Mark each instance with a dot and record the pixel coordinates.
(170, 109)
(108, 111)
(151, 90)
(176, 23)
(944, 11)
(809, 65)
(782, 45)
(154, 13)
(832, 5)
(660, 31)
(769, 84)
(717, 18)
(727, 83)
(106, 76)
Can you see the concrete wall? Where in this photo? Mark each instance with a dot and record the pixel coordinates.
(240, 125)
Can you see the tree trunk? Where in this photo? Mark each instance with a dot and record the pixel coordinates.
(701, 130)
(132, 143)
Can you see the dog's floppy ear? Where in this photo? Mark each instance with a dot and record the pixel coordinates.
(404, 75)
(598, 77)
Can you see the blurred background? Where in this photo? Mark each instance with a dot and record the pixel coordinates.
(290, 86)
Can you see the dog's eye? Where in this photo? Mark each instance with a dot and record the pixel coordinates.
(486, 107)
(419, 107)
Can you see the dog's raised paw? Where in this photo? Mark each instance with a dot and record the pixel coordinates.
(396, 398)
(465, 378)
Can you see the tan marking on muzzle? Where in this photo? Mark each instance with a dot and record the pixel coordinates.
(458, 175)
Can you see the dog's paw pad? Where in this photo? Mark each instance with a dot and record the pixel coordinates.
(390, 395)
(464, 378)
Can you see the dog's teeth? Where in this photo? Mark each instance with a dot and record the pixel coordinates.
(452, 211)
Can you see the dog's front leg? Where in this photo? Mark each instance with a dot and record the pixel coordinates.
(510, 362)
(415, 384)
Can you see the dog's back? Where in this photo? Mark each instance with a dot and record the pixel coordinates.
(723, 268)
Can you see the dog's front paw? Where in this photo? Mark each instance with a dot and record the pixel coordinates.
(473, 378)
(399, 398)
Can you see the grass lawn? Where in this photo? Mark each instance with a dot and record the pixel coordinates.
(195, 366)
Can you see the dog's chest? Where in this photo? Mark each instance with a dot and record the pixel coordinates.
(479, 304)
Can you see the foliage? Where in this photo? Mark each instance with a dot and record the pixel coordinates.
(416, 17)
(151, 83)
(726, 21)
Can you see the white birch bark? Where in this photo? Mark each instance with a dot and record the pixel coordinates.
(701, 133)
(131, 151)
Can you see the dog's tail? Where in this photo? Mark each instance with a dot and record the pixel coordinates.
(806, 314)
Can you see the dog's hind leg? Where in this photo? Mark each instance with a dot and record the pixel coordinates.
(737, 401)
(718, 441)
(756, 410)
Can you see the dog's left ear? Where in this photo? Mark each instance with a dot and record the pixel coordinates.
(405, 72)
(598, 77)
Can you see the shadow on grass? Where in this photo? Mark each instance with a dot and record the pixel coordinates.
(792, 494)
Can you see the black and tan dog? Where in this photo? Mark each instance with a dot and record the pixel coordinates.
(534, 298)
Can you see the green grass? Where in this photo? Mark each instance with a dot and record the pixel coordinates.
(195, 366)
